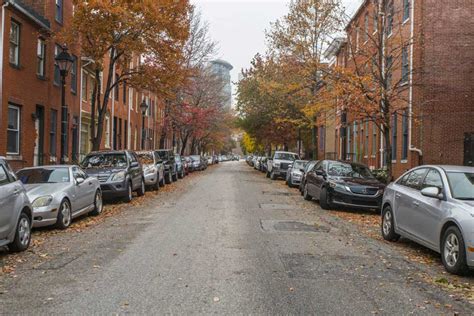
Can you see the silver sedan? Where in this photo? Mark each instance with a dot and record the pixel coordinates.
(434, 206)
(60, 193)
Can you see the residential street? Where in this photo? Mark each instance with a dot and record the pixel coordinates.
(224, 241)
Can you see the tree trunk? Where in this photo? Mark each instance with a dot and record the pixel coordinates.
(184, 142)
(388, 151)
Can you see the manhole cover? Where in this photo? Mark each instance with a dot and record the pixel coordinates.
(271, 206)
(309, 266)
(292, 226)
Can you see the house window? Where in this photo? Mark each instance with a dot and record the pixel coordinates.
(59, 11)
(13, 130)
(74, 75)
(84, 86)
(394, 136)
(107, 131)
(40, 57)
(357, 39)
(390, 12)
(117, 88)
(374, 139)
(388, 71)
(91, 87)
(406, 10)
(366, 147)
(349, 141)
(404, 64)
(405, 135)
(355, 134)
(53, 125)
(366, 27)
(124, 92)
(15, 43)
(57, 74)
(130, 98)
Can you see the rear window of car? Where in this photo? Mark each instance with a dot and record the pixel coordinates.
(286, 156)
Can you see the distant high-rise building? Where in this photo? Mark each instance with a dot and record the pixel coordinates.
(222, 68)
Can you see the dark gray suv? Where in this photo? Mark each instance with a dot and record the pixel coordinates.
(15, 211)
(171, 169)
(119, 173)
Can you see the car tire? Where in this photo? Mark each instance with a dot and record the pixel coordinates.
(98, 204)
(162, 181)
(268, 174)
(128, 198)
(324, 199)
(22, 239)
(453, 251)
(141, 190)
(272, 176)
(387, 227)
(156, 185)
(175, 177)
(181, 174)
(306, 194)
(169, 179)
(64, 215)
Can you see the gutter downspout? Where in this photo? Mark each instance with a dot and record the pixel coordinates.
(2, 38)
(111, 120)
(410, 94)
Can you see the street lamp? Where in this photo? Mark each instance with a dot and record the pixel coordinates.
(64, 62)
(143, 107)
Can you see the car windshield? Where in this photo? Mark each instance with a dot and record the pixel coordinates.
(112, 160)
(285, 156)
(44, 175)
(145, 158)
(195, 158)
(342, 169)
(162, 154)
(299, 165)
(462, 185)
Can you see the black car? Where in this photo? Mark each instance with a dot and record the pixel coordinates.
(309, 166)
(342, 183)
(119, 173)
(171, 168)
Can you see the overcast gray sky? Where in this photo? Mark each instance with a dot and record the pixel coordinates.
(239, 26)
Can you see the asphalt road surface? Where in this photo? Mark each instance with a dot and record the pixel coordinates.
(225, 241)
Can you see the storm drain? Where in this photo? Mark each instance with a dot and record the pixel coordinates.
(292, 226)
(309, 266)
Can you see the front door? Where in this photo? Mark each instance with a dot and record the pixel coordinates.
(469, 149)
(39, 139)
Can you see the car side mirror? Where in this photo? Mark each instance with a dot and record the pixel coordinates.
(432, 192)
(80, 180)
(320, 172)
(134, 164)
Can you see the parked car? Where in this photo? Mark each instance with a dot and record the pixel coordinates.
(179, 166)
(153, 169)
(119, 173)
(171, 170)
(263, 164)
(16, 212)
(198, 164)
(258, 161)
(295, 173)
(60, 193)
(309, 166)
(185, 162)
(434, 206)
(341, 183)
(278, 165)
(210, 161)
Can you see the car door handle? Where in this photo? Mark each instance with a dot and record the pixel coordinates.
(416, 203)
(16, 192)
(90, 183)
(398, 195)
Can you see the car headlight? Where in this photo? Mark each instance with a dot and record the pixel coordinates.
(42, 201)
(150, 170)
(119, 176)
(276, 164)
(338, 186)
(296, 174)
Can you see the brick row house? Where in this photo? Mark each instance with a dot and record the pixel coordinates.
(30, 92)
(432, 68)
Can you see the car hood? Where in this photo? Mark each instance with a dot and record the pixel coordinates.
(41, 189)
(358, 182)
(95, 172)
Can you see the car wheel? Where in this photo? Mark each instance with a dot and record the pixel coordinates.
(22, 234)
(156, 185)
(162, 181)
(175, 176)
(98, 205)
(64, 215)
(268, 174)
(272, 176)
(388, 227)
(306, 194)
(181, 174)
(453, 251)
(169, 179)
(324, 199)
(129, 196)
(141, 190)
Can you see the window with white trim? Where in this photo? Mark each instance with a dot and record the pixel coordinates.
(40, 57)
(13, 130)
(14, 55)
(59, 11)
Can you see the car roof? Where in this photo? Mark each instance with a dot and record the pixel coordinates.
(108, 152)
(49, 167)
(453, 168)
